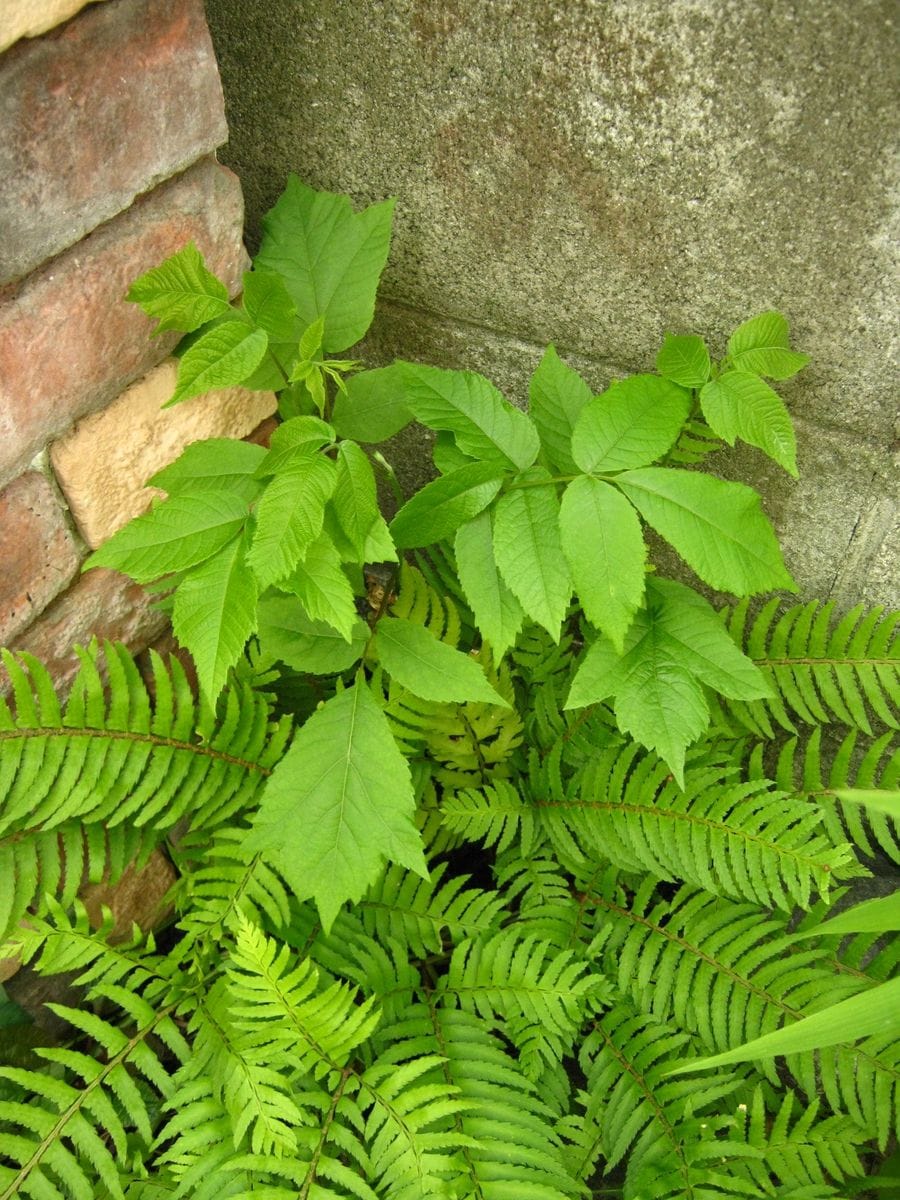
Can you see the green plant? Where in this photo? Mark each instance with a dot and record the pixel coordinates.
(467, 870)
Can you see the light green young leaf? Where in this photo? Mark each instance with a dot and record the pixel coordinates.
(718, 528)
(329, 257)
(177, 534)
(214, 465)
(289, 516)
(557, 394)
(338, 805)
(181, 292)
(631, 424)
(311, 340)
(323, 588)
(293, 441)
(354, 501)
(215, 613)
(225, 356)
(675, 645)
(446, 455)
(288, 634)
(485, 425)
(269, 306)
(497, 612)
(528, 549)
(684, 359)
(740, 405)
(762, 345)
(429, 668)
(604, 544)
(875, 1012)
(372, 408)
(379, 543)
(440, 507)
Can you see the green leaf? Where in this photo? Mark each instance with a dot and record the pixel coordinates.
(289, 516)
(440, 507)
(269, 306)
(224, 357)
(485, 425)
(528, 549)
(372, 408)
(604, 544)
(288, 634)
(181, 292)
(718, 528)
(675, 646)
(875, 1012)
(497, 612)
(214, 465)
(215, 613)
(740, 405)
(873, 916)
(878, 800)
(762, 345)
(329, 257)
(354, 502)
(323, 589)
(684, 359)
(446, 455)
(176, 534)
(632, 423)
(557, 394)
(293, 442)
(430, 668)
(338, 805)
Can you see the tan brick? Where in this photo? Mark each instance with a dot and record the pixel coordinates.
(136, 897)
(69, 343)
(101, 603)
(38, 555)
(30, 18)
(103, 463)
(125, 96)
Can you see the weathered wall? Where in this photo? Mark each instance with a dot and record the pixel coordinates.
(599, 173)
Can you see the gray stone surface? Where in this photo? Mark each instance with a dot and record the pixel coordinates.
(597, 174)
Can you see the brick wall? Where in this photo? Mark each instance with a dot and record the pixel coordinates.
(110, 117)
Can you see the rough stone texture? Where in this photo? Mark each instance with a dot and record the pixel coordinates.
(38, 553)
(120, 99)
(30, 18)
(103, 463)
(69, 344)
(101, 603)
(136, 897)
(599, 174)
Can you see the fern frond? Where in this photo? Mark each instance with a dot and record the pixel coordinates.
(740, 839)
(727, 973)
(821, 671)
(510, 1145)
(112, 760)
(540, 993)
(414, 912)
(492, 815)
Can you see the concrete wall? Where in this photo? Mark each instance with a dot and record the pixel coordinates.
(598, 173)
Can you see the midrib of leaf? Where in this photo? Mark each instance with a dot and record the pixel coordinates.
(828, 662)
(327, 1122)
(149, 739)
(645, 810)
(75, 1107)
(657, 1108)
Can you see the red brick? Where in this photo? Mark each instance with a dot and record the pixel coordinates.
(102, 604)
(69, 344)
(122, 97)
(38, 555)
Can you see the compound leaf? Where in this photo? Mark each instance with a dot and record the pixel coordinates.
(322, 587)
(213, 465)
(339, 804)
(371, 407)
(556, 395)
(227, 355)
(498, 614)
(440, 507)
(684, 359)
(288, 634)
(762, 345)
(289, 516)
